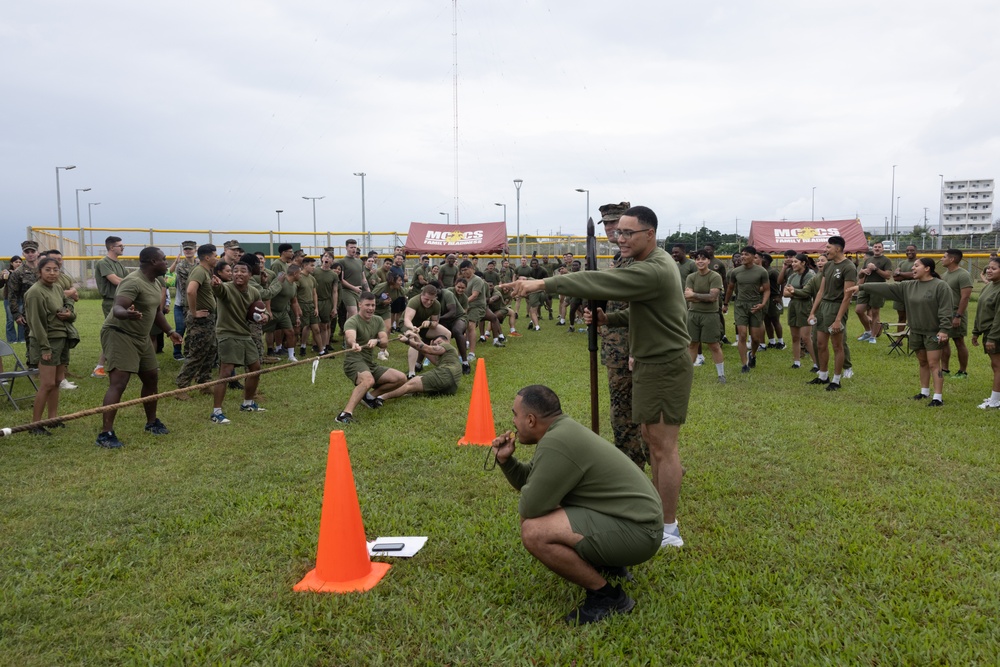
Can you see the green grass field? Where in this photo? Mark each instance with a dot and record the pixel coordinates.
(847, 528)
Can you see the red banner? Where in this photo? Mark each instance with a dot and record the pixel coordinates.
(777, 237)
(483, 237)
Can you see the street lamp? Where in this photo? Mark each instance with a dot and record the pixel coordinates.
(892, 199)
(504, 215)
(517, 186)
(79, 227)
(59, 201)
(315, 242)
(812, 216)
(279, 212)
(364, 233)
(447, 216)
(90, 221)
(588, 200)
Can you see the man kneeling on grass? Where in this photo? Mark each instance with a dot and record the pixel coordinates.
(440, 380)
(586, 510)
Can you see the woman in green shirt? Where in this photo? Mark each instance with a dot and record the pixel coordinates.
(49, 327)
(799, 306)
(988, 326)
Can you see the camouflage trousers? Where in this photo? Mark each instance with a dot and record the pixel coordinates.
(628, 436)
(201, 351)
(257, 333)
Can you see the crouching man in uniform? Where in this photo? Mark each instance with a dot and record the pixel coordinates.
(587, 511)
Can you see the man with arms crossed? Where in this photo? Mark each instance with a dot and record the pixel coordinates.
(586, 511)
(829, 311)
(960, 282)
(658, 339)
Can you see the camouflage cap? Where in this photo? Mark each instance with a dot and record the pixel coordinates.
(612, 212)
(29, 245)
(189, 244)
(229, 245)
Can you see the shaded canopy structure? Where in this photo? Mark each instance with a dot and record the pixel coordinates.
(483, 237)
(777, 237)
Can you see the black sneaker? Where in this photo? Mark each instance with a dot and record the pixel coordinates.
(466, 369)
(779, 346)
(753, 361)
(814, 369)
(236, 384)
(921, 397)
(39, 430)
(598, 607)
(109, 440)
(345, 418)
(374, 403)
(550, 314)
(818, 380)
(610, 572)
(833, 386)
(156, 427)
(726, 341)
(935, 403)
(796, 366)
(745, 369)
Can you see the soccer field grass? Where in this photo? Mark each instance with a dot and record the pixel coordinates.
(820, 528)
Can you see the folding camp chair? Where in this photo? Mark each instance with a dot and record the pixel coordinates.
(897, 338)
(9, 377)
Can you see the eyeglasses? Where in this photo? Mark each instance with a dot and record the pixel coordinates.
(628, 233)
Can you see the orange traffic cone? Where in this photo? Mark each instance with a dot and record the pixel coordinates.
(479, 428)
(342, 562)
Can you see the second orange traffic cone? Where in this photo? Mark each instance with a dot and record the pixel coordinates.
(479, 427)
(342, 562)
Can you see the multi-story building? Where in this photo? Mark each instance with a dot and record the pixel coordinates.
(967, 207)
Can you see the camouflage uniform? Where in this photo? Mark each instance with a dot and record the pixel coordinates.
(18, 285)
(614, 355)
(201, 349)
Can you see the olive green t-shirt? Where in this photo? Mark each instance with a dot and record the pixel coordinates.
(279, 266)
(447, 274)
(203, 278)
(325, 280)
(41, 303)
(304, 289)
(146, 296)
(748, 282)
(957, 280)
(354, 272)
(928, 303)
(835, 275)
(449, 297)
(102, 269)
(882, 263)
(422, 313)
(703, 284)
(477, 284)
(282, 300)
(687, 267)
(233, 307)
(365, 331)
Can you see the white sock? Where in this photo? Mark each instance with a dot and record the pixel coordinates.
(937, 397)
(669, 527)
(796, 363)
(836, 379)
(720, 369)
(781, 341)
(369, 396)
(926, 391)
(772, 341)
(823, 375)
(216, 411)
(247, 401)
(995, 396)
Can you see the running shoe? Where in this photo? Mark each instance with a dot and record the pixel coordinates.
(156, 427)
(345, 418)
(252, 407)
(219, 418)
(597, 607)
(109, 440)
(935, 403)
(989, 404)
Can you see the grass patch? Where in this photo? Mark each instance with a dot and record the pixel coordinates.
(820, 528)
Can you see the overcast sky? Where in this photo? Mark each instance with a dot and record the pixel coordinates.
(213, 115)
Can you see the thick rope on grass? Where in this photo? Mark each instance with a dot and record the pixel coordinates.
(55, 421)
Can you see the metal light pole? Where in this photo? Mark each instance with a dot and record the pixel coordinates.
(90, 223)
(315, 241)
(587, 213)
(79, 227)
(279, 212)
(812, 215)
(517, 186)
(364, 233)
(895, 226)
(447, 216)
(59, 201)
(892, 199)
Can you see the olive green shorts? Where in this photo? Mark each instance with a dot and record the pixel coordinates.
(662, 390)
(238, 352)
(535, 300)
(826, 315)
(899, 306)
(996, 344)
(475, 314)
(348, 297)
(123, 352)
(355, 365)
(961, 330)
(870, 300)
(704, 327)
(279, 320)
(439, 381)
(60, 352)
(325, 308)
(744, 318)
(774, 309)
(924, 341)
(609, 540)
(798, 312)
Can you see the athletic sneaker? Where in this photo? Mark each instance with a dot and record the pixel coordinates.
(466, 369)
(815, 369)
(236, 385)
(427, 362)
(818, 380)
(865, 336)
(538, 328)
(699, 360)
(848, 373)
(66, 384)
(219, 418)
(39, 430)
(725, 340)
(597, 607)
(960, 375)
(722, 379)
(410, 376)
(99, 373)
(779, 346)
(253, 407)
(156, 427)
(935, 403)
(345, 418)
(753, 360)
(989, 404)
(671, 537)
(735, 344)
(796, 365)
(373, 403)
(483, 338)
(562, 322)
(873, 340)
(921, 397)
(497, 343)
(833, 386)
(745, 369)
(109, 440)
